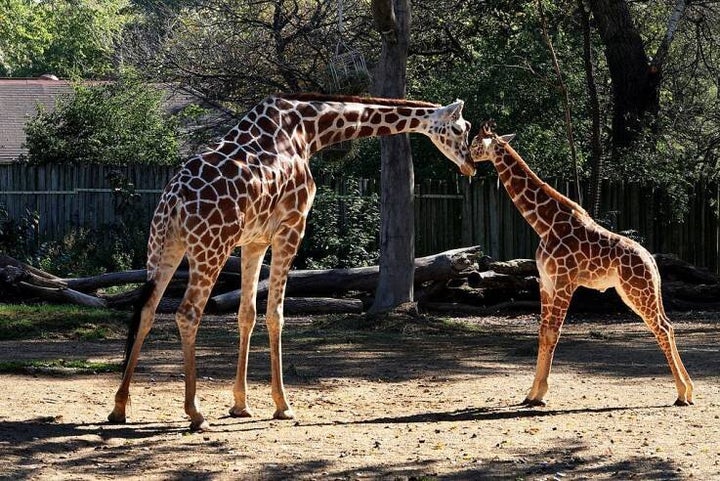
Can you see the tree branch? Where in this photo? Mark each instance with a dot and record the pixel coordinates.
(673, 23)
(565, 98)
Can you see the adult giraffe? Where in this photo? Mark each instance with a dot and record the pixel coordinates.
(254, 189)
(575, 251)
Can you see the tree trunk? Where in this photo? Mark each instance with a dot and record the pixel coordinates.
(635, 84)
(397, 225)
(596, 158)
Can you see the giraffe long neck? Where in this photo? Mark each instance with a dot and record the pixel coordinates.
(537, 201)
(337, 122)
(302, 124)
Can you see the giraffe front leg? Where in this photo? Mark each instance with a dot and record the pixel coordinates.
(554, 307)
(547, 340)
(252, 256)
(284, 247)
(275, 323)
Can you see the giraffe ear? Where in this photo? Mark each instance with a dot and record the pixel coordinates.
(453, 111)
(507, 138)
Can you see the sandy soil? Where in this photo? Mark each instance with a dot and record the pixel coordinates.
(415, 403)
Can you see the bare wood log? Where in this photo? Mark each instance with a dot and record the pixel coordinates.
(515, 267)
(63, 295)
(671, 268)
(93, 283)
(13, 271)
(494, 280)
(441, 266)
(9, 261)
(231, 272)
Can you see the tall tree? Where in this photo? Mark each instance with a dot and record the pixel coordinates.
(397, 223)
(634, 74)
(68, 39)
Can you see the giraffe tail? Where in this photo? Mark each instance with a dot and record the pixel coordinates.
(145, 292)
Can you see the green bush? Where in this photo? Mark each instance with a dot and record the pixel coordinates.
(342, 230)
(114, 123)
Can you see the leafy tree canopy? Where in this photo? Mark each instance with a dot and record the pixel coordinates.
(70, 39)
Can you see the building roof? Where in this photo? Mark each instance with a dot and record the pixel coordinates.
(19, 99)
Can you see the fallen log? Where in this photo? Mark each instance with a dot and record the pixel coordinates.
(515, 267)
(27, 281)
(63, 295)
(231, 271)
(438, 267)
(12, 272)
(673, 269)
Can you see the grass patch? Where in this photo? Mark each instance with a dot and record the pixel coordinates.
(57, 367)
(18, 321)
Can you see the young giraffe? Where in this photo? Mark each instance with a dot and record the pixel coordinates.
(575, 251)
(254, 189)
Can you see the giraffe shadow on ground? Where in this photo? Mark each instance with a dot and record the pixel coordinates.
(490, 414)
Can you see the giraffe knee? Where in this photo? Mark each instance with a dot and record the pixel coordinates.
(247, 314)
(188, 317)
(274, 319)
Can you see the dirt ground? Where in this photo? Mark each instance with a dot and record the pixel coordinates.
(421, 402)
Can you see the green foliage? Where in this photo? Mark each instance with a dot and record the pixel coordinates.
(19, 321)
(342, 230)
(67, 39)
(508, 76)
(111, 123)
(18, 236)
(85, 252)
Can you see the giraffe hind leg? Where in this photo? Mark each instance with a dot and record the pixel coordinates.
(647, 303)
(202, 279)
(140, 326)
(121, 397)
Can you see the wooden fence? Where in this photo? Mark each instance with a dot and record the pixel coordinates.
(447, 214)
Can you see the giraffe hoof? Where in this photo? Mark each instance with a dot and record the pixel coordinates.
(199, 426)
(114, 418)
(284, 414)
(240, 413)
(533, 402)
(680, 402)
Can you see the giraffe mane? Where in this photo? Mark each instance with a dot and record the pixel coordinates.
(316, 97)
(547, 188)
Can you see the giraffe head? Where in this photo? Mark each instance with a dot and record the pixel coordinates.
(485, 145)
(449, 132)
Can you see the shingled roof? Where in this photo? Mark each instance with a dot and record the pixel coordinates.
(19, 99)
